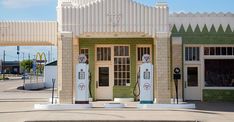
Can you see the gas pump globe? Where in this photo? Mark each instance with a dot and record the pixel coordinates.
(146, 81)
(82, 81)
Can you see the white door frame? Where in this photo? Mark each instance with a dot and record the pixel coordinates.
(196, 92)
(107, 92)
(104, 93)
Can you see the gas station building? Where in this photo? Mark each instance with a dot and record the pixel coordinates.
(115, 34)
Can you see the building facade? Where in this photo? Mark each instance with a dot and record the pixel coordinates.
(9, 67)
(115, 34)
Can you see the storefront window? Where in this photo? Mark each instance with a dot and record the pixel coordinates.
(219, 73)
(103, 54)
(192, 54)
(121, 65)
(218, 51)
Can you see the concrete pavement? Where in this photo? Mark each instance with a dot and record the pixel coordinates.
(17, 106)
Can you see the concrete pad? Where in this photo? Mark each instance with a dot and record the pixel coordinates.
(34, 86)
(114, 105)
(122, 100)
(166, 106)
(62, 106)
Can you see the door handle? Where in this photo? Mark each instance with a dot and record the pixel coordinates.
(97, 83)
(185, 84)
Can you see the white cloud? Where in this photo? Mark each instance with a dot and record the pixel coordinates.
(23, 3)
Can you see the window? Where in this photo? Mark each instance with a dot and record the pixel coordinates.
(192, 53)
(142, 51)
(121, 65)
(103, 54)
(85, 51)
(192, 74)
(103, 76)
(219, 51)
(219, 73)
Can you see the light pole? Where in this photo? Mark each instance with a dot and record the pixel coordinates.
(18, 53)
(3, 65)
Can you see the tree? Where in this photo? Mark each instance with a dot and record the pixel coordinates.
(26, 65)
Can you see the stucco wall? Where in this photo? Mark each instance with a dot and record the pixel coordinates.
(50, 72)
(118, 91)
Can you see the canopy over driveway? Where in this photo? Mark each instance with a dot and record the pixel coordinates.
(28, 33)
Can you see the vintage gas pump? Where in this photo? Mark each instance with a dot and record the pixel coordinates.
(82, 81)
(146, 81)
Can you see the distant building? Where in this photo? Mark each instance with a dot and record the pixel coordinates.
(9, 67)
(50, 72)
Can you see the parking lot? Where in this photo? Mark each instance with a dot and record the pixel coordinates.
(17, 106)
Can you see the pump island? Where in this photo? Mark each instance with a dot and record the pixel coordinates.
(124, 50)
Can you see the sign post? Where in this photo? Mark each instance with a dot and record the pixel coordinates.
(177, 76)
(53, 81)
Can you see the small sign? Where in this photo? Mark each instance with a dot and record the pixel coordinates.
(177, 70)
(177, 76)
(146, 58)
(82, 58)
(81, 75)
(147, 74)
(81, 86)
(147, 86)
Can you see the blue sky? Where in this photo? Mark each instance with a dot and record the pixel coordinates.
(46, 10)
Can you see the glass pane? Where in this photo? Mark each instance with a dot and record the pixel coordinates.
(233, 51)
(109, 54)
(206, 50)
(194, 53)
(128, 75)
(121, 51)
(127, 51)
(219, 73)
(105, 54)
(224, 51)
(103, 76)
(128, 81)
(138, 54)
(192, 74)
(128, 67)
(115, 51)
(190, 54)
(229, 52)
(198, 54)
(102, 56)
(81, 51)
(148, 50)
(212, 51)
(218, 50)
(98, 54)
(186, 54)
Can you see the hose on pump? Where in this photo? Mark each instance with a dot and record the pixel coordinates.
(90, 85)
(137, 85)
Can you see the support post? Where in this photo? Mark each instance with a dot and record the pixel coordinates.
(163, 69)
(65, 68)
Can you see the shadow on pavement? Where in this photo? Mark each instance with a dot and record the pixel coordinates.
(214, 106)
